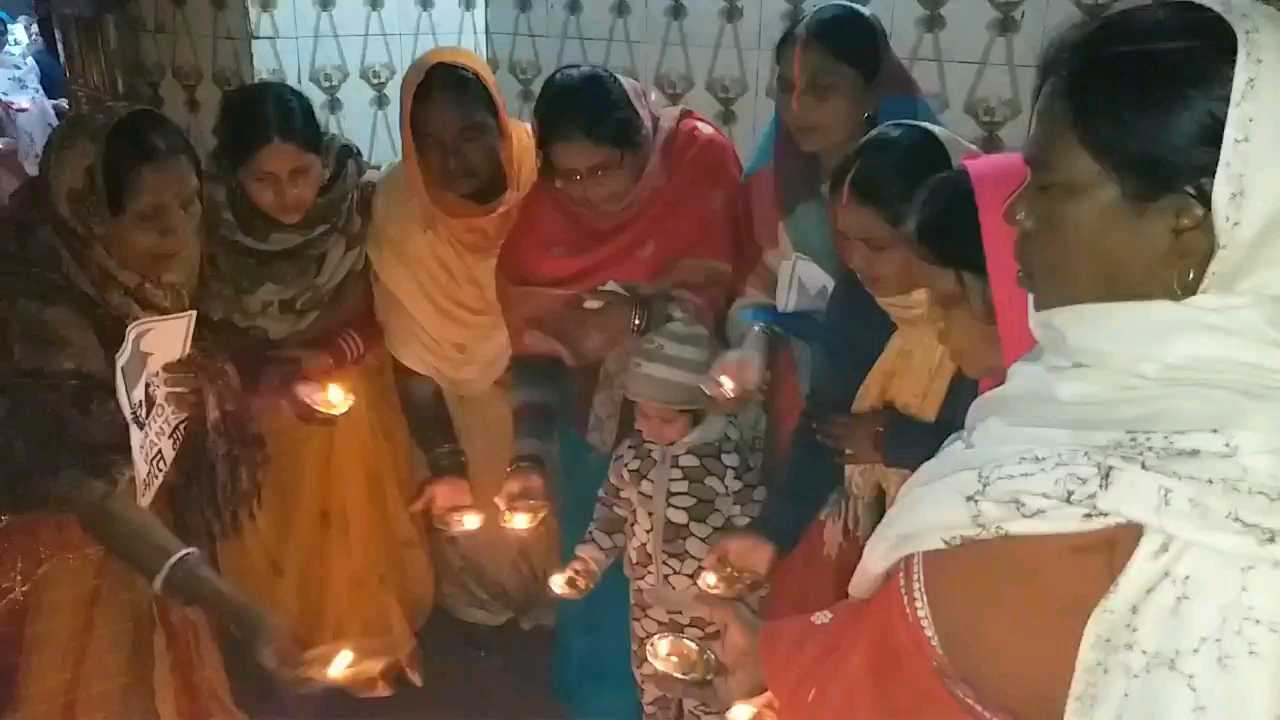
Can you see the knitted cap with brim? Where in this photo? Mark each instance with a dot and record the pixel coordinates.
(670, 366)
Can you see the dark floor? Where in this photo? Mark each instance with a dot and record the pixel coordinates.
(469, 673)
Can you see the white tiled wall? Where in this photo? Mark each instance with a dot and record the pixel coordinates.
(189, 52)
(974, 58)
(349, 55)
(346, 55)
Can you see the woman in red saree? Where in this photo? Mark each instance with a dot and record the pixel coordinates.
(969, 270)
(636, 208)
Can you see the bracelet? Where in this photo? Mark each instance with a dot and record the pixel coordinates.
(527, 462)
(157, 582)
(447, 459)
(639, 317)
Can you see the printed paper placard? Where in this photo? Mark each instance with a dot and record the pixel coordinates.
(156, 428)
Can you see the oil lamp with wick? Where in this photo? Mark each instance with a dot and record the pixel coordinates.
(728, 582)
(721, 386)
(739, 371)
(327, 398)
(573, 581)
(359, 665)
(523, 515)
(522, 499)
(340, 664)
(459, 521)
(681, 657)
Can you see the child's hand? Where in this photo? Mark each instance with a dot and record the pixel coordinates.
(584, 570)
(574, 580)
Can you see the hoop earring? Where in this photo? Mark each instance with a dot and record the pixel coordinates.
(1182, 293)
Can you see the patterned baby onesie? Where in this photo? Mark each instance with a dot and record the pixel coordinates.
(665, 505)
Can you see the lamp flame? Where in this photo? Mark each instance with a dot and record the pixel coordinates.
(335, 394)
(329, 398)
(471, 520)
(340, 664)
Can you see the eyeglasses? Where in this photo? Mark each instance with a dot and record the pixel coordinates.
(568, 179)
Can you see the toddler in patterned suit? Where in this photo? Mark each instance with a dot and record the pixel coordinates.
(686, 474)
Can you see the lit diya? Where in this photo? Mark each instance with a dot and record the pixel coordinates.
(459, 521)
(722, 386)
(340, 664)
(681, 657)
(728, 582)
(742, 711)
(328, 398)
(568, 585)
(524, 514)
(355, 665)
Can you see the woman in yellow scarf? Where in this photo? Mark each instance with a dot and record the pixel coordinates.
(440, 218)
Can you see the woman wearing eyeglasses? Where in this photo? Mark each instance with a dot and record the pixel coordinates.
(636, 208)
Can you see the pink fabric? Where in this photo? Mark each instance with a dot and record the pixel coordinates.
(995, 179)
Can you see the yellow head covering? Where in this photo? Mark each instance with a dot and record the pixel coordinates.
(434, 253)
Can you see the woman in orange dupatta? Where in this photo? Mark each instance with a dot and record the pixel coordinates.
(440, 217)
(642, 202)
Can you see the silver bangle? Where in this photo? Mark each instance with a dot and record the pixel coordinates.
(157, 582)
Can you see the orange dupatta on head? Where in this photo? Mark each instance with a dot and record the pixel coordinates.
(434, 254)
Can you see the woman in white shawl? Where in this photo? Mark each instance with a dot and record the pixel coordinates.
(1101, 541)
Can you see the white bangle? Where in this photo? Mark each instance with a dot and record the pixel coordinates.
(157, 583)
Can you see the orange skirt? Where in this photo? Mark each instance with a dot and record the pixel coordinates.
(333, 551)
(84, 638)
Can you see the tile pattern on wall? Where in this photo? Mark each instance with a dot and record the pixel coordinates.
(348, 56)
(974, 59)
(188, 52)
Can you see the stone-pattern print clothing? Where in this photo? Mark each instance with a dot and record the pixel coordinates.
(664, 505)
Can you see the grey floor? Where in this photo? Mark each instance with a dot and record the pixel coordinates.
(469, 673)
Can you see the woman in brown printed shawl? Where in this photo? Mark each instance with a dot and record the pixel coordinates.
(333, 548)
(109, 233)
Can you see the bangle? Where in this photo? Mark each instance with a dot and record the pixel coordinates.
(527, 462)
(447, 460)
(639, 317)
(157, 582)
